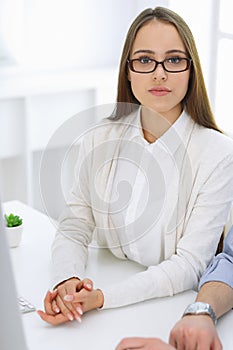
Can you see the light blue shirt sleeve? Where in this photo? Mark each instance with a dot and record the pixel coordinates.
(221, 268)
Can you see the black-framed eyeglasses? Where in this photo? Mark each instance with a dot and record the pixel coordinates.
(148, 65)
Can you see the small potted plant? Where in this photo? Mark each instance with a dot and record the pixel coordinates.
(14, 229)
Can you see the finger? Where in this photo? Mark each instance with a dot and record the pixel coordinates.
(204, 342)
(217, 344)
(131, 343)
(88, 299)
(192, 342)
(76, 297)
(54, 320)
(173, 342)
(74, 307)
(87, 284)
(68, 310)
(66, 307)
(48, 302)
(55, 307)
(177, 340)
(78, 308)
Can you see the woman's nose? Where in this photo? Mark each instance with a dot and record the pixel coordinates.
(159, 73)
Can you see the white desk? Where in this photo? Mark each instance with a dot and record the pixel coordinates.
(100, 330)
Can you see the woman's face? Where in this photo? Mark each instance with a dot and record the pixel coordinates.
(160, 90)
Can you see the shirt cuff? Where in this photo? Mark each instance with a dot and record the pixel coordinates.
(220, 270)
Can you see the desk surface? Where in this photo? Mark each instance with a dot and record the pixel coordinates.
(99, 329)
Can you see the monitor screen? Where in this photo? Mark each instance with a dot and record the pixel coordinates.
(11, 329)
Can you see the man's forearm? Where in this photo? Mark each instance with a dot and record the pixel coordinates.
(219, 295)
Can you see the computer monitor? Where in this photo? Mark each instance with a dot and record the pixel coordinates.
(11, 328)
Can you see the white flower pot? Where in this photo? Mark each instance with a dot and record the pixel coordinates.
(14, 235)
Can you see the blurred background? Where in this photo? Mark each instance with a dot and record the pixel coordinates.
(60, 57)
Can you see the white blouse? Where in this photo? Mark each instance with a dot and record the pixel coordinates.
(139, 188)
(163, 205)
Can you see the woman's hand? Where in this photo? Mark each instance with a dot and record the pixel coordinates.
(58, 310)
(52, 318)
(68, 309)
(89, 299)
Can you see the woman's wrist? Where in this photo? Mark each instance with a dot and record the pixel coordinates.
(100, 298)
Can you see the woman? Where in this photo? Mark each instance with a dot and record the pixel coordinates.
(154, 181)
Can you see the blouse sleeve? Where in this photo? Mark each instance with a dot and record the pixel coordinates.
(221, 268)
(194, 251)
(76, 226)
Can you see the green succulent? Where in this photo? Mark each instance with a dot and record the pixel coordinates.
(13, 220)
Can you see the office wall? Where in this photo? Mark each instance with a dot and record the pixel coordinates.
(63, 59)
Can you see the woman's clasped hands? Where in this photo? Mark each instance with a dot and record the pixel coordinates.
(70, 300)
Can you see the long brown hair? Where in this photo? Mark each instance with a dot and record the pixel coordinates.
(196, 101)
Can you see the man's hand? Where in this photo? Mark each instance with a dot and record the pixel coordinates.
(195, 332)
(143, 343)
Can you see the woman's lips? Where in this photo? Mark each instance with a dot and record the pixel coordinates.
(159, 91)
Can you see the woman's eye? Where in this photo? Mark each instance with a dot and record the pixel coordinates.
(144, 60)
(174, 60)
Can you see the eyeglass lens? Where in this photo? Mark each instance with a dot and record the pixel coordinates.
(172, 65)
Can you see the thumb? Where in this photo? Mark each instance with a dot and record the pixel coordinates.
(50, 295)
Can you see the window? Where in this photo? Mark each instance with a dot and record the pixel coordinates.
(11, 30)
(224, 71)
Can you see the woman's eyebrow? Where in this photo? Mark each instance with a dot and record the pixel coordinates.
(143, 51)
(176, 50)
(153, 52)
